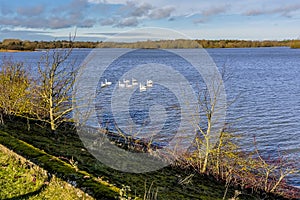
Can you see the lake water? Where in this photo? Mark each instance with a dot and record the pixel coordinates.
(266, 81)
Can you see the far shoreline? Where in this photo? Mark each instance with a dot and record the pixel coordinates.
(41, 50)
(17, 45)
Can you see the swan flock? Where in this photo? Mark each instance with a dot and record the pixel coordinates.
(129, 84)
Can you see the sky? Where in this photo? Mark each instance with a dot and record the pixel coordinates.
(98, 20)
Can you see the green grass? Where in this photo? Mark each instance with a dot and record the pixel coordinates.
(99, 188)
(21, 179)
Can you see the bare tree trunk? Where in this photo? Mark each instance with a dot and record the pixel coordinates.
(51, 116)
(207, 149)
(207, 144)
(52, 122)
(219, 153)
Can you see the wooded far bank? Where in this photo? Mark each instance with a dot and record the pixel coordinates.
(26, 45)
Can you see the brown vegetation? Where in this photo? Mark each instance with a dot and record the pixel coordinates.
(295, 44)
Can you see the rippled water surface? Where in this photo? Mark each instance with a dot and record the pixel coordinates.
(268, 83)
(265, 80)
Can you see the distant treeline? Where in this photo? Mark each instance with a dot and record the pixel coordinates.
(26, 45)
(243, 43)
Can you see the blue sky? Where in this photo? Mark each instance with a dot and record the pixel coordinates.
(98, 19)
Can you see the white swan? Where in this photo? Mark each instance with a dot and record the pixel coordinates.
(126, 81)
(107, 83)
(121, 85)
(127, 85)
(142, 88)
(134, 82)
(103, 84)
(149, 83)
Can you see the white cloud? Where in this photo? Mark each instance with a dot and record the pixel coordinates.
(127, 22)
(107, 1)
(161, 13)
(138, 10)
(133, 13)
(284, 10)
(214, 10)
(107, 22)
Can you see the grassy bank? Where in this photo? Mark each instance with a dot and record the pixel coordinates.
(67, 146)
(64, 156)
(68, 172)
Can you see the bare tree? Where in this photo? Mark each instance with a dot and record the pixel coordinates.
(52, 96)
(210, 103)
(272, 171)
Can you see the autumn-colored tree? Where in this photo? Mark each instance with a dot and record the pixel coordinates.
(295, 44)
(14, 90)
